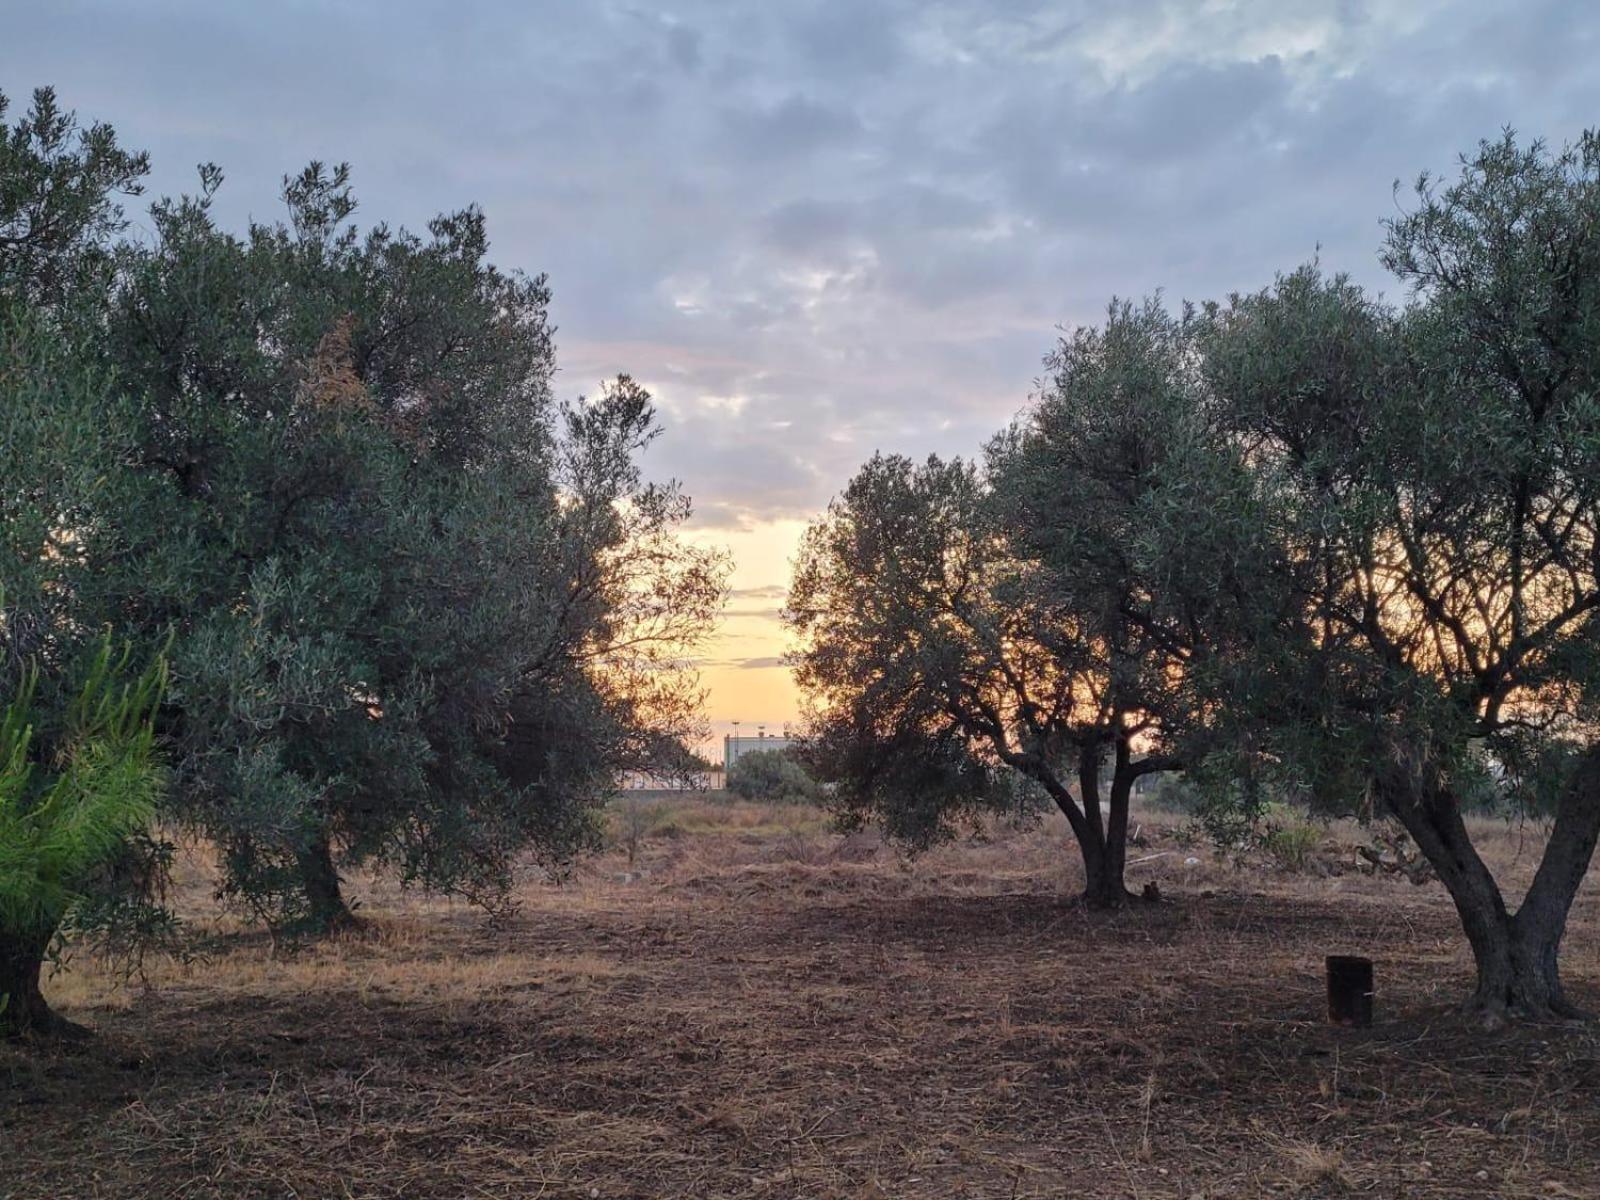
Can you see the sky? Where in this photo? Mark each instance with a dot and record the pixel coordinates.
(821, 228)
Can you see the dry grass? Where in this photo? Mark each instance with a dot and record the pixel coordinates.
(759, 1008)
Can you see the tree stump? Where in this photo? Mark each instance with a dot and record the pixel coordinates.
(1349, 990)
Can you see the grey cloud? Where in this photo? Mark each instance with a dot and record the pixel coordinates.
(1185, 112)
(848, 40)
(683, 44)
(808, 226)
(732, 479)
(805, 227)
(794, 125)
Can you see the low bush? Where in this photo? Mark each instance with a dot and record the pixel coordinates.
(772, 776)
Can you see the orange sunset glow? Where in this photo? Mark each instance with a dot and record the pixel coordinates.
(740, 666)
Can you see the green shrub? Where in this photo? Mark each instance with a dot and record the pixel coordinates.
(772, 776)
(1290, 839)
(75, 785)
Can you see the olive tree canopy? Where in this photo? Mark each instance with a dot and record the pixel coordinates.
(959, 623)
(1434, 474)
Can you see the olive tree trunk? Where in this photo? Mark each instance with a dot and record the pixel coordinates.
(1517, 954)
(1103, 885)
(1101, 829)
(326, 909)
(1104, 840)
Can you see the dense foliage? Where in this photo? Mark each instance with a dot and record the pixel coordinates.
(424, 614)
(772, 777)
(960, 621)
(77, 781)
(417, 612)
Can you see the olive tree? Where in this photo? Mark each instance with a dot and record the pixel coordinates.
(1433, 475)
(424, 613)
(938, 659)
(420, 614)
(1083, 485)
(59, 184)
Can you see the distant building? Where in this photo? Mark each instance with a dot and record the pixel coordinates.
(734, 748)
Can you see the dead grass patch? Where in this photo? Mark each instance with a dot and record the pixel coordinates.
(789, 1013)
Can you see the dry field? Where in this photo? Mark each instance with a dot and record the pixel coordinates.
(756, 1007)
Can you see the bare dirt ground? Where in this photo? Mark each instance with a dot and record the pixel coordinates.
(756, 1007)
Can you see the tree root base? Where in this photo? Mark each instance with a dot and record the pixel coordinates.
(1100, 901)
(47, 1026)
(1493, 1017)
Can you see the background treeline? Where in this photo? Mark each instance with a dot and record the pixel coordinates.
(1305, 543)
(296, 535)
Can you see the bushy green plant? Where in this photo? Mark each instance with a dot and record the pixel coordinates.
(772, 777)
(73, 788)
(1290, 838)
(1173, 794)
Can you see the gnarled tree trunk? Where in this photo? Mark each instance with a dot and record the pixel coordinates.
(1103, 884)
(1517, 955)
(1101, 833)
(1105, 850)
(24, 1011)
(1101, 842)
(1101, 830)
(326, 910)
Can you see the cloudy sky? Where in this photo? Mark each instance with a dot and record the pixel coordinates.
(818, 229)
